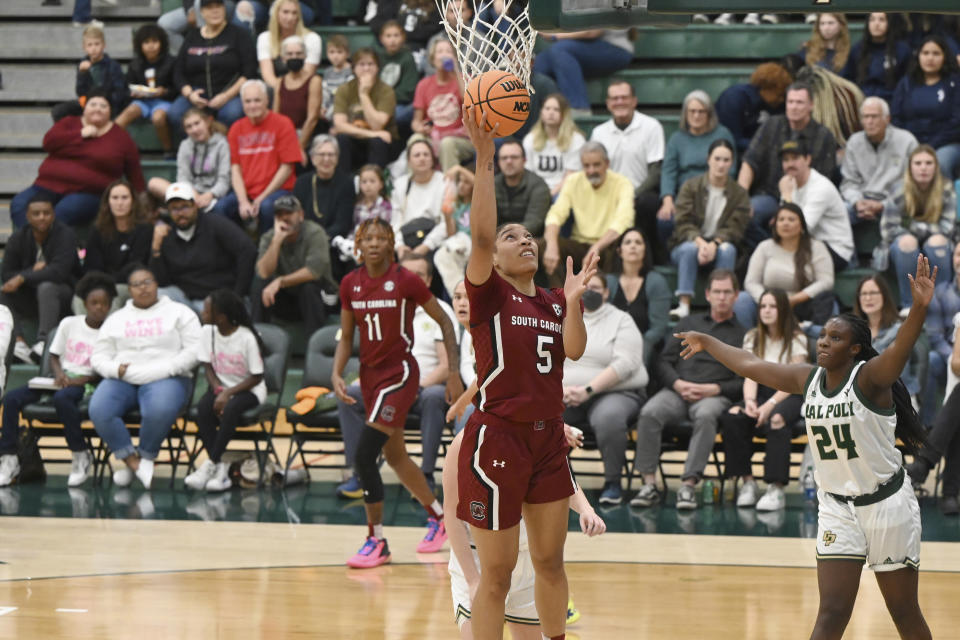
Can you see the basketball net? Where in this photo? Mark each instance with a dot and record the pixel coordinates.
(498, 37)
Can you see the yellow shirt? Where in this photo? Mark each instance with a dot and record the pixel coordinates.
(595, 211)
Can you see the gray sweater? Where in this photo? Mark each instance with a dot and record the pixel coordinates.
(205, 165)
(870, 169)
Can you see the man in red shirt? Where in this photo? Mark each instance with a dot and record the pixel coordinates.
(263, 151)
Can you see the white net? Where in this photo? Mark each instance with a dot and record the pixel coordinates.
(490, 34)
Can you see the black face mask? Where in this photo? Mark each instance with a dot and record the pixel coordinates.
(592, 299)
(295, 64)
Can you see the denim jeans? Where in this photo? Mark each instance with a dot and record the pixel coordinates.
(228, 113)
(745, 310)
(949, 158)
(160, 403)
(684, 256)
(570, 62)
(82, 10)
(65, 400)
(229, 207)
(70, 208)
(905, 262)
(936, 379)
(461, 422)
(177, 294)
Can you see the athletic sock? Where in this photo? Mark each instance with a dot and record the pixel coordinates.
(559, 637)
(435, 510)
(375, 531)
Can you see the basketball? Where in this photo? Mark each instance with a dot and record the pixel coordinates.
(503, 97)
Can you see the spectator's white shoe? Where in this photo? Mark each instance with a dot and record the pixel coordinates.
(748, 494)
(687, 497)
(21, 351)
(680, 311)
(772, 500)
(80, 468)
(221, 478)
(700, 18)
(9, 469)
(198, 479)
(770, 18)
(92, 23)
(38, 349)
(752, 18)
(123, 476)
(810, 18)
(144, 473)
(724, 19)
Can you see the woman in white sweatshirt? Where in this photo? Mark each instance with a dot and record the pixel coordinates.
(145, 353)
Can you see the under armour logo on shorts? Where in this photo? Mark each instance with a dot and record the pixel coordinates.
(478, 511)
(829, 537)
(499, 463)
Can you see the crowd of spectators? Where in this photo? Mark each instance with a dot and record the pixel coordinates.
(280, 155)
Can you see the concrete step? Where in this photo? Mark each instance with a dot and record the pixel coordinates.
(32, 9)
(23, 127)
(56, 41)
(6, 226)
(38, 83)
(18, 171)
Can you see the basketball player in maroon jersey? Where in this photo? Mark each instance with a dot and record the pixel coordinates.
(381, 296)
(513, 460)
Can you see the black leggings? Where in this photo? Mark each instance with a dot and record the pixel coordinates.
(739, 429)
(215, 440)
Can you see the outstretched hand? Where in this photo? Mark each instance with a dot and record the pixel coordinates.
(481, 138)
(692, 342)
(922, 285)
(576, 283)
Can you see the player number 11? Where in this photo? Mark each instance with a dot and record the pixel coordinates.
(373, 326)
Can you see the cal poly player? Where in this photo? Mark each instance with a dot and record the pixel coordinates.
(513, 459)
(855, 409)
(380, 297)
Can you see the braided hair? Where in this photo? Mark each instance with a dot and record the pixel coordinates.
(362, 229)
(227, 302)
(909, 428)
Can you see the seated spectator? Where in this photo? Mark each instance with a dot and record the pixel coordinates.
(417, 202)
(84, 154)
(398, 67)
(262, 9)
(178, 21)
(552, 147)
(943, 441)
(940, 332)
(203, 161)
(339, 73)
(119, 239)
(880, 58)
(293, 267)
(70, 364)
(327, 194)
(874, 303)
(286, 21)
(468, 358)
(604, 389)
(523, 197)
(640, 291)
(699, 389)
(635, 145)
(420, 20)
(451, 257)
(761, 170)
(204, 252)
(214, 62)
(687, 153)
(436, 108)
(922, 25)
(150, 81)
(363, 116)
(792, 261)
(575, 56)
(874, 162)
(823, 208)
(232, 355)
(96, 73)
(829, 45)
(920, 216)
(38, 270)
(148, 368)
(299, 94)
(927, 103)
(712, 216)
(601, 203)
(765, 412)
(263, 151)
(742, 108)
(372, 200)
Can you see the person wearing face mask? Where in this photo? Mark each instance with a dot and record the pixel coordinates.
(436, 108)
(604, 390)
(299, 94)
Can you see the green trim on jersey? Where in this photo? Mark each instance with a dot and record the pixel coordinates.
(462, 612)
(835, 392)
(892, 411)
(841, 556)
(533, 622)
(806, 385)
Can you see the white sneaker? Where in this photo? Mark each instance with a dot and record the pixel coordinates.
(21, 351)
(748, 494)
(680, 311)
(198, 479)
(220, 481)
(700, 18)
(810, 18)
(123, 476)
(9, 469)
(770, 18)
(37, 349)
(80, 468)
(752, 18)
(92, 23)
(724, 19)
(772, 500)
(145, 473)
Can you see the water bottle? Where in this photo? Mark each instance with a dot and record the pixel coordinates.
(809, 486)
(709, 491)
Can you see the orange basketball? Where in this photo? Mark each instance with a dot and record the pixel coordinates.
(504, 99)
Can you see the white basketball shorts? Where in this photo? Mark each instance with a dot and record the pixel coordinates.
(520, 609)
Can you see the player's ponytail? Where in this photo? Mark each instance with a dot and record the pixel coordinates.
(909, 429)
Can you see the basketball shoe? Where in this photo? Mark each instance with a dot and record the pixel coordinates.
(436, 536)
(373, 553)
(573, 614)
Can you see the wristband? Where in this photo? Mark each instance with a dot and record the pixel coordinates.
(589, 390)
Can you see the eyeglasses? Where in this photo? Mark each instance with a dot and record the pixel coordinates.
(323, 154)
(186, 206)
(146, 282)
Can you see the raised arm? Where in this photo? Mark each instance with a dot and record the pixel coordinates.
(785, 377)
(483, 206)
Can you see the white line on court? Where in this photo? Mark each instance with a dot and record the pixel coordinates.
(71, 610)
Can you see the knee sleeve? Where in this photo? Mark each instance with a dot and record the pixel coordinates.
(365, 463)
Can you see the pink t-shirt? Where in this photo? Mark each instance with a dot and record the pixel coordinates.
(441, 105)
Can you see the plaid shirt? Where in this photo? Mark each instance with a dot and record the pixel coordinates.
(763, 155)
(895, 221)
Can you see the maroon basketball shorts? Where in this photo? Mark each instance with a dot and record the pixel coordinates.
(504, 464)
(389, 392)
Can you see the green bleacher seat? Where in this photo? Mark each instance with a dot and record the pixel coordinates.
(845, 284)
(166, 169)
(145, 136)
(357, 36)
(346, 8)
(657, 86)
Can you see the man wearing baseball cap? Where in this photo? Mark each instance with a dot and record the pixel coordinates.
(201, 252)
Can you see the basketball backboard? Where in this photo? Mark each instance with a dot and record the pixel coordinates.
(572, 15)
